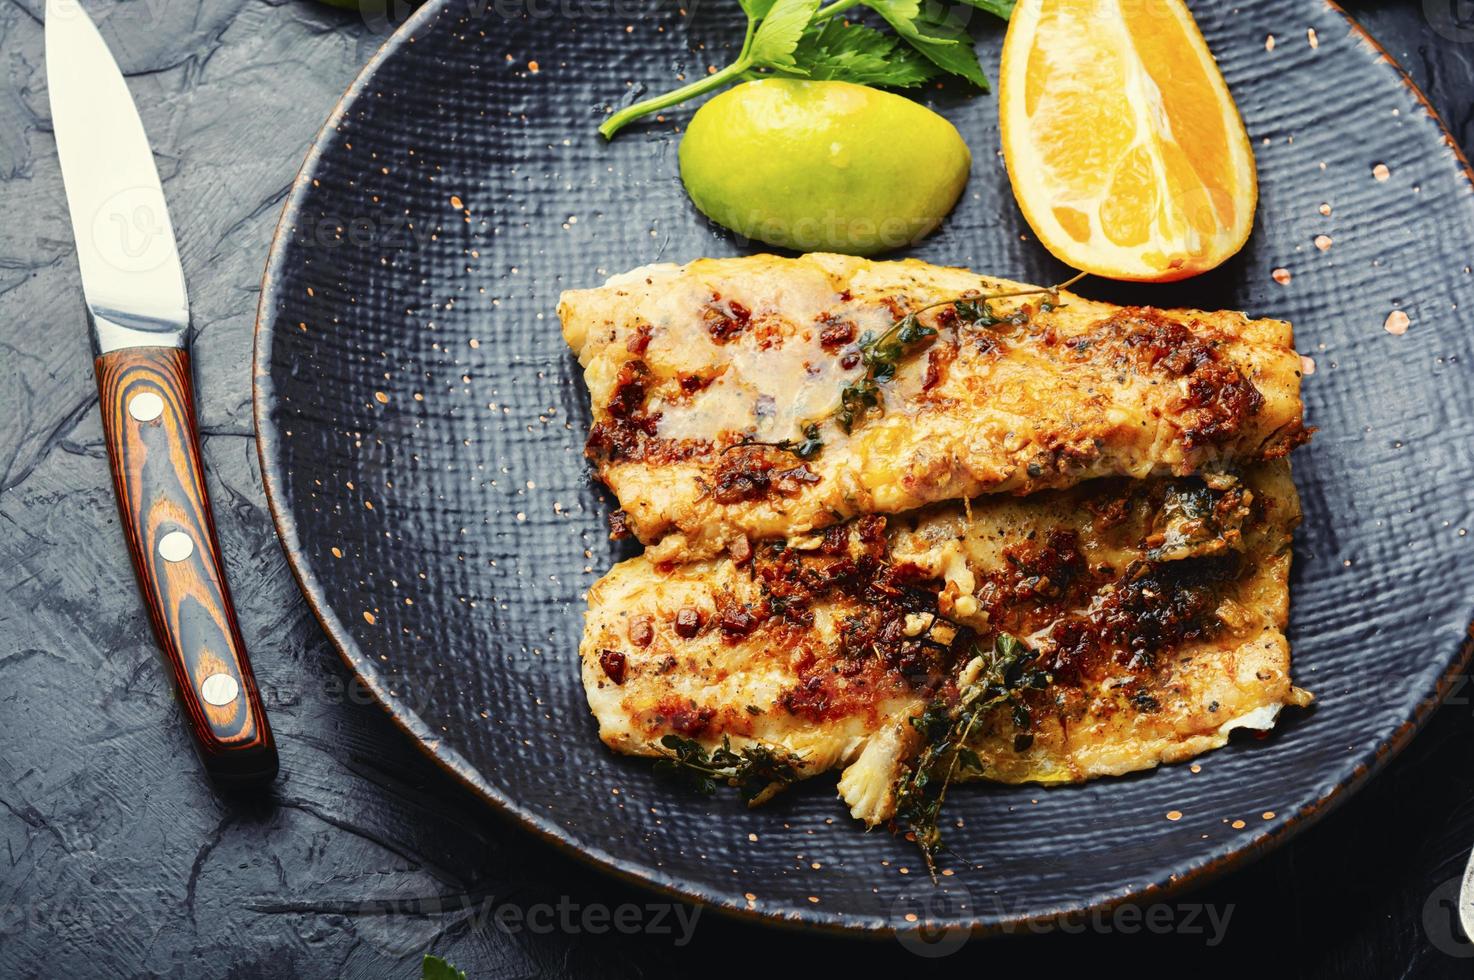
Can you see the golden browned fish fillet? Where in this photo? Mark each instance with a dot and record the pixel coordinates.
(1155, 607)
(685, 362)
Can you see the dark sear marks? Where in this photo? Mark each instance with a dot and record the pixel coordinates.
(692, 383)
(1131, 614)
(1152, 608)
(749, 473)
(1218, 402)
(628, 399)
(1015, 391)
(725, 320)
(628, 434)
(878, 655)
(892, 639)
(835, 333)
(614, 664)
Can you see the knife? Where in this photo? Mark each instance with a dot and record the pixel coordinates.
(138, 314)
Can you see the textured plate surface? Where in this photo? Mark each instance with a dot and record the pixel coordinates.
(421, 429)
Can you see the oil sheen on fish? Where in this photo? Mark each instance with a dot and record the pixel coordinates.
(690, 366)
(1155, 607)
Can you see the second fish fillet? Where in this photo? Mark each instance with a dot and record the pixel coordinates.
(1154, 612)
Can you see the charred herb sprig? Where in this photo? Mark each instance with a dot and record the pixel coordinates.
(752, 771)
(882, 356)
(806, 448)
(922, 788)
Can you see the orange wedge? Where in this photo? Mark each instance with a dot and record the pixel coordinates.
(1124, 146)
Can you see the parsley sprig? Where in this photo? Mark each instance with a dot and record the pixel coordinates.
(435, 968)
(753, 770)
(804, 39)
(922, 788)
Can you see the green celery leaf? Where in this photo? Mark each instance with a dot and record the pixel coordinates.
(998, 8)
(757, 9)
(859, 54)
(779, 32)
(935, 35)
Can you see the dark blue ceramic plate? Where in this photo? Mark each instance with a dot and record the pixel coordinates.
(421, 429)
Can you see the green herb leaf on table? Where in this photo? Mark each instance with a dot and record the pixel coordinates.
(778, 34)
(801, 38)
(434, 968)
(936, 35)
(998, 8)
(757, 9)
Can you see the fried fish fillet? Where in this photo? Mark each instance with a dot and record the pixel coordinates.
(688, 365)
(1156, 607)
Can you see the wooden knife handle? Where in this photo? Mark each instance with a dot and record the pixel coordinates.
(149, 425)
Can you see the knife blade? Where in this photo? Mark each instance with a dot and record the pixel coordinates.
(137, 309)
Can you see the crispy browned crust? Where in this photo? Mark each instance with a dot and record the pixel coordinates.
(1157, 607)
(683, 363)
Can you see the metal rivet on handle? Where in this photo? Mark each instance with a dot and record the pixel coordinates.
(146, 406)
(219, 689)
(175, 546)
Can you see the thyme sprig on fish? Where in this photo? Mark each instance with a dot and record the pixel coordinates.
(1008, 669)
(806, 448)
(757, 771)
(881, 357)
(883, 354)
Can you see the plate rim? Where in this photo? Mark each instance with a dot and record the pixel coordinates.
(1215, 863)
